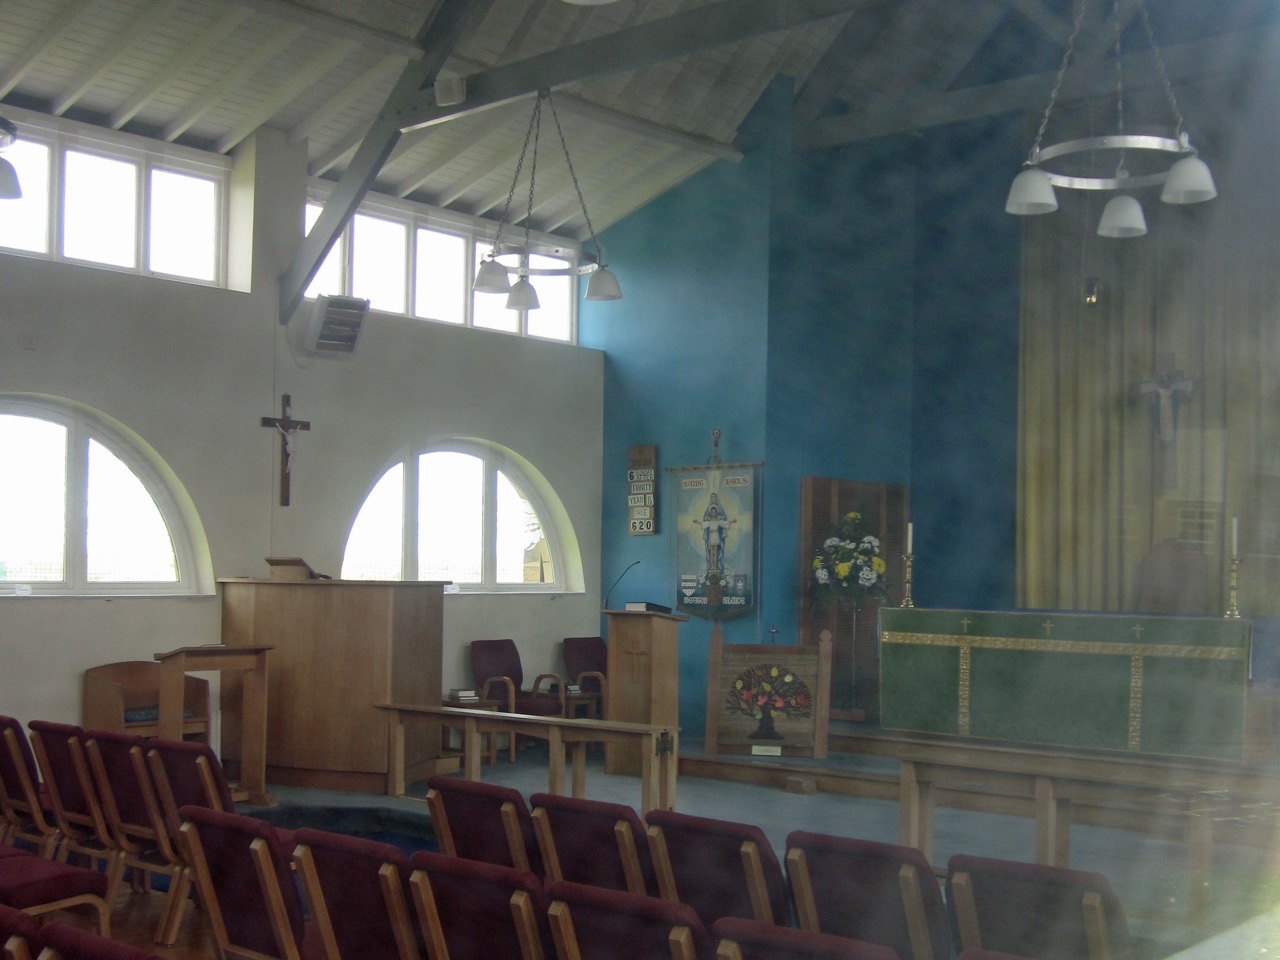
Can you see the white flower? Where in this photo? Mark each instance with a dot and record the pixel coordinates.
(822, 576)
(866, 576)
(831, 543)
(871, 543)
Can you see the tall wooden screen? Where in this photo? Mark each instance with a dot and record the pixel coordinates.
(855, 660)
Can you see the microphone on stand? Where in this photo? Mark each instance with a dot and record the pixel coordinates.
(616, 582)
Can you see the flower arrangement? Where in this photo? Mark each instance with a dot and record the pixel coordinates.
(768, 690)
(849, 566)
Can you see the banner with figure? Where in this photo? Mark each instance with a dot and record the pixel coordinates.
(715, 540)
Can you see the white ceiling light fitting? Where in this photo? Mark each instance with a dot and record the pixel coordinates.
(494, 276)
(9, 187)
(1187, 180)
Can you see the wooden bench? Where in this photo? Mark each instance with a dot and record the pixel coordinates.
(125, 697)
(658, 745)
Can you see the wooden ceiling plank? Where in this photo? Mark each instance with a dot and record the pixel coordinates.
(42, 44)
(861, 34)
(117, 49)
(625, 122)
(317, 67)
(231, 79)
(441, 160)
(438, 35)
(204, 41)
(701, 28)
(334, 155)
(339, 28)
(349, 93)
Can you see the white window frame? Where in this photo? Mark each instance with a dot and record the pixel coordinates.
(60, 135)
(81, 428)
(493, 458)
(478, 233)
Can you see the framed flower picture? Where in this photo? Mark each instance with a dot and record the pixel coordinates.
(768, 699)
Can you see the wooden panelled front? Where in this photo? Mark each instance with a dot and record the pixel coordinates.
(339, 648)
(643, 677)
(855, 666)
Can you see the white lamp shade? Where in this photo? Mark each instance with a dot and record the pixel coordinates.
(1031, 193)
(523, 296)
(1189, 181)
(9, 187)
(491, 278)
(603, 285)
(1122, 217)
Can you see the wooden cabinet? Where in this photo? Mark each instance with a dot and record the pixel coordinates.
(643, 677)
(338, 647)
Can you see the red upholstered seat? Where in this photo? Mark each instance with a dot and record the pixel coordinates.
(483, 821)
(718, 867)
(36, 885)
(186, 772)
(247, 887)
(598, 924)
(496, 666)
(1034, 910)
(478, 911)
(586, 662)
(592, 842)
(19, 933)
(71, 943)
(880, 892)
(358, 893)
(740, 939)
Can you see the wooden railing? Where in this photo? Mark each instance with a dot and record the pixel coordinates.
(658, 745)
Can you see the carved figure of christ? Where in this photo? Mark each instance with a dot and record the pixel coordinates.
(1167, 386)
(288, 427)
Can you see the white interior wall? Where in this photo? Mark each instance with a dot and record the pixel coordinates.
(192, 370)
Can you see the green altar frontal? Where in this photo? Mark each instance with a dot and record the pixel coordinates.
(1150, 685)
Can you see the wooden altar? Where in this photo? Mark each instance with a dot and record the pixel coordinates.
(1171, 686)
(338, 648)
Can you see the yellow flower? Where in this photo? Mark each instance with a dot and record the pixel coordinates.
(773, 672)
(817, 563)
(842, 569)
(738, 684)
(877, 564)
(853, 515)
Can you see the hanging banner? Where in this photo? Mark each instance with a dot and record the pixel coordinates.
(715, 539)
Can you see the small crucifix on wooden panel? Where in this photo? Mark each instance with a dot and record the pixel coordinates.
(1169, 386)
(288, 428)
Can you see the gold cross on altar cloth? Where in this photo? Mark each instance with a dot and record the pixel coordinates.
(1048, 627)
(965, 622)
(1137, 632)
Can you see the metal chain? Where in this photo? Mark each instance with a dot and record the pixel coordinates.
(506, 208)
(577, 189)
(1164, 73)
(1115, 14)
(1057, 84)
(533, 167)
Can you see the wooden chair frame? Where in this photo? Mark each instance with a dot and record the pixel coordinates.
(966, 913)
(510, 826)
(908, 884)
(752, 868)
(16, 948)
(268, 886)
(393, 895)
(150, 847)
(21, 802)
(679, 940)
(523, 916)
(622, 834)
(84, 834)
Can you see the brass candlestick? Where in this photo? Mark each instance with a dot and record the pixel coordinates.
(1233, 589)
(906, 581)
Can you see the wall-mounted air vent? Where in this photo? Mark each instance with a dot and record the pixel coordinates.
(333, 327)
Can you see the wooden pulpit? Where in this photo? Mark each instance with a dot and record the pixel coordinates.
(643, 677)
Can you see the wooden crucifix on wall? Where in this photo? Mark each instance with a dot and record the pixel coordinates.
(1167, 386)
(288, 428)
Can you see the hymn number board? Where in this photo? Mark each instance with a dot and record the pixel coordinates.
(642, 490)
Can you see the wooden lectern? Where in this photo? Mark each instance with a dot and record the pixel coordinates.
(643, 677)
(250, 663)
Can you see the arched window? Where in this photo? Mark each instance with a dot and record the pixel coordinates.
(469, 512)
(83, 510)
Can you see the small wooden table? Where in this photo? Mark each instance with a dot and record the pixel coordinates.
(252, 661)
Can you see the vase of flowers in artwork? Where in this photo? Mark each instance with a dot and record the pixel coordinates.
(768, 691)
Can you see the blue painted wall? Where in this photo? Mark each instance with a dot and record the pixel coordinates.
(832, 315)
